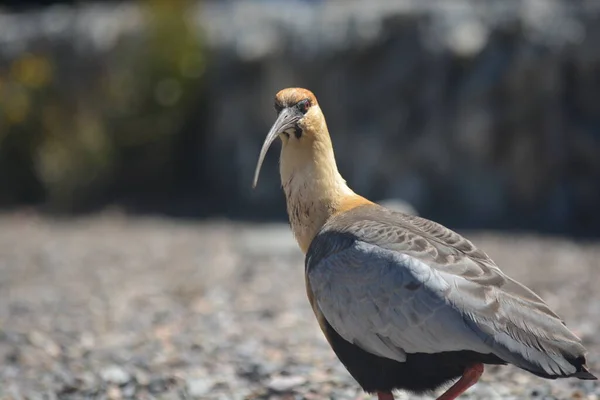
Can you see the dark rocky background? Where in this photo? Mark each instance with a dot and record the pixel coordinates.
(482, 114)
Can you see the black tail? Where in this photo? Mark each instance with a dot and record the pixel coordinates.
(583, 373)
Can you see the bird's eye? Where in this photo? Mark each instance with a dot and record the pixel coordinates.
(303, 105)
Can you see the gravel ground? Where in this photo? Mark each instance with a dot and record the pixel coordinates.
(117, 307)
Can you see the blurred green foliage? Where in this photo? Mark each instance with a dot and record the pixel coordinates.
(69, 140)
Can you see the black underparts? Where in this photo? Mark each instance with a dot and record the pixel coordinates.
(420, 373)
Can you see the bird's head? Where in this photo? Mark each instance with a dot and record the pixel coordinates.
(299, 122)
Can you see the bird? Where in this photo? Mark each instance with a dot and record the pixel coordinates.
(404, 302)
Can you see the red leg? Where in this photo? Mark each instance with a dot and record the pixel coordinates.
(469, 378)
(385, 396)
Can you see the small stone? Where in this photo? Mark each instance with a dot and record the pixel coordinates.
(159, 385)
(172, 395)
(129, 390)
(142, 378)
(87, 380)
(522, 379)
(285, 383)
(115, 374)
(34, 396)
(114, 393)
(43, 342)
(197, 387)
(87, 341)
(67, 379)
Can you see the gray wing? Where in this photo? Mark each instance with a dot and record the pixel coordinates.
(395, 284)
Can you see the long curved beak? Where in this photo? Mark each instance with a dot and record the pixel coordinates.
(286, 120)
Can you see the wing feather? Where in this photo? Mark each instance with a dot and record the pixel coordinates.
(394, 284)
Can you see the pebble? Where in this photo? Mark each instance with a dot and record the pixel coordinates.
(285, 383)
(230, 352)
(115, 374)
(142, 378)
(114, 393)
(43, 342)
(129, 390)
(197, 387)
(87, 380)
(159, 385)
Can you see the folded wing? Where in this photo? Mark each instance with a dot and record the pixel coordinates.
(395, 284)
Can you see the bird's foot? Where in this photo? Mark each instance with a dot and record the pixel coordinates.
(468, 379)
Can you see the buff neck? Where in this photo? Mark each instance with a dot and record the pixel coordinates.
(314, 189)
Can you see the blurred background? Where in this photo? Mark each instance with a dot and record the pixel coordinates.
(481, 114)
(136, 260)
